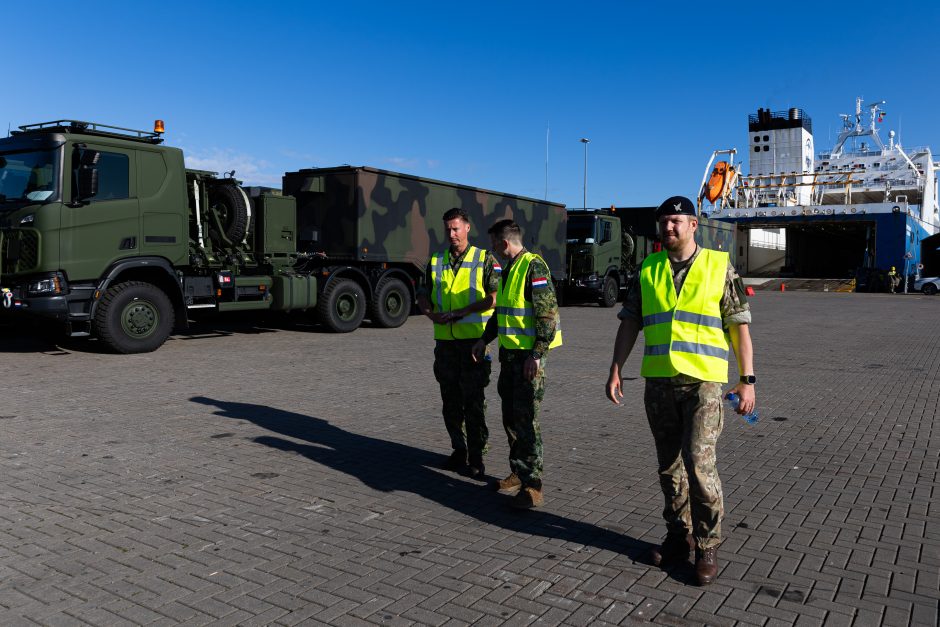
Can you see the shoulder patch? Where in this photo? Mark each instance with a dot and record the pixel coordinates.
(497, 267)
(539, 282)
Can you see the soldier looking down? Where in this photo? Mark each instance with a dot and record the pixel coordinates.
(688, 301)
(463, 281)
(526, 323)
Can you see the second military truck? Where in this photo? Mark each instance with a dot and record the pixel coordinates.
(104, 230)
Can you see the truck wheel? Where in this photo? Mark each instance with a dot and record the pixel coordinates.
(391, 303)
(229, 202)
(929, 289)
(133, 317)
(343, 306)
(610, 292)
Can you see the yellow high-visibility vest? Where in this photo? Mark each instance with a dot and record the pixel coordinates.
(455, 290)
(515, 314)
(684, 334)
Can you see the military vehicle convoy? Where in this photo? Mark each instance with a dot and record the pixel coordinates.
(606, 246)
(104, 230)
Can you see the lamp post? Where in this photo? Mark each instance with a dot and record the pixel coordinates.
(585, 141)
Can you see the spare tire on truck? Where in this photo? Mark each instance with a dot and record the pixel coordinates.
(231, 204)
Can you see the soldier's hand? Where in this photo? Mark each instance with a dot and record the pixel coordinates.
(530, 368)
(478, 350)
(613, 389)
(748, 398)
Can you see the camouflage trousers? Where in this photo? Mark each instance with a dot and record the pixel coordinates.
(521, 401)
(686, 421)
(463, 393)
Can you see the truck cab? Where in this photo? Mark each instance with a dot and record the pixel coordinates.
(595, 257)
(79, 202)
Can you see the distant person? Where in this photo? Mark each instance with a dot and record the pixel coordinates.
(462, 280)
(686, 298)
(893, 279)
(527, 325)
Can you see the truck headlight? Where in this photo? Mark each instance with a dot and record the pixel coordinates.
(591, 277)
(54, 284)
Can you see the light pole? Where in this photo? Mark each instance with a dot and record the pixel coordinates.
(585, 141)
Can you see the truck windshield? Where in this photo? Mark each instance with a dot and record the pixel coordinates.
(581, 227)
(28, 176)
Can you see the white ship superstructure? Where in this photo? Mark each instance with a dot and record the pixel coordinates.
(871, 202)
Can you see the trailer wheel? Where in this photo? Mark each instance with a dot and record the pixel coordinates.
(610, 292)
(343, 306)
(391, 303)
(133, 317)
(929, 289)
(229, 202)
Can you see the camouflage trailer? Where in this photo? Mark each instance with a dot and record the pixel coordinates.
(606, 246)
(360, 214)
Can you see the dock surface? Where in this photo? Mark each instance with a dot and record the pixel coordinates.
(274, 474)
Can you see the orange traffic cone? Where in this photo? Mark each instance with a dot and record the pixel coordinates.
(783, 287)
(749, 291)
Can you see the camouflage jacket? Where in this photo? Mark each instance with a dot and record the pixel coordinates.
(490, 274)
(545, 304)
(734, 306)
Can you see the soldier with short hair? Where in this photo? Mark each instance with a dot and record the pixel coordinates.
(527, 325)
(458, 296)
(689, 301)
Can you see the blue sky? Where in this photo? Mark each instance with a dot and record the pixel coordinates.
(465, 92)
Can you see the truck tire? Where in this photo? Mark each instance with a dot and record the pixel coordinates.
(929, 289)
(229, 202)
(609, 292)
(133, 317)
(391, 303)
(343, 306)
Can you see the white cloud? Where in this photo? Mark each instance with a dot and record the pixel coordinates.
(402, 162)
(247, 169)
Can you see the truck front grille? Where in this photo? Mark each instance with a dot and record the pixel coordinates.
(19, 250)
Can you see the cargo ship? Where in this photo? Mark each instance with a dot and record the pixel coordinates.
(858, 210)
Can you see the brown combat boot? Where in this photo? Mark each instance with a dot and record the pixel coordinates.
(528, 497)
(510, 485)
(706, 565)
(456, 462)
(475, 468)
(673, 550)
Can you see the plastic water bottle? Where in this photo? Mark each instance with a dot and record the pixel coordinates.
(733, 400)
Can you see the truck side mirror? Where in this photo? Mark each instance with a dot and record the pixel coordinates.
(86, 175)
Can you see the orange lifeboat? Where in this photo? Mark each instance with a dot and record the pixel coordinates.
(715, 186)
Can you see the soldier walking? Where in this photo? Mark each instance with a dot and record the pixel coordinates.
(688, 301)
(527, 325)
(463, 280)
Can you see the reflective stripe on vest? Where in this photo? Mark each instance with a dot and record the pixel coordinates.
(514, 314)
(684, 334)
(455, 290)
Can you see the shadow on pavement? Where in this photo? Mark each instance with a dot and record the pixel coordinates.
(390, 466)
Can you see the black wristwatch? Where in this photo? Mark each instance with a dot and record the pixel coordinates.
(748, 378)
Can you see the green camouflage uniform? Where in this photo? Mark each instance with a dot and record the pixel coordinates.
(463, 381)
(685, 415)
(521, 399)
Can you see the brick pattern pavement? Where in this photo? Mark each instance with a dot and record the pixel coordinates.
(277, 475)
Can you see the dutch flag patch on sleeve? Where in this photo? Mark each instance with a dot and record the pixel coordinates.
(497, 267)
(539, 282)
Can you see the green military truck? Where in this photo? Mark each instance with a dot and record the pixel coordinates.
(104, 230)
(606, 246)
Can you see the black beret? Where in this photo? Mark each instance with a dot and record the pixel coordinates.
(676, 206)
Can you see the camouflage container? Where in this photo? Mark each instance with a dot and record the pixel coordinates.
(360, 214)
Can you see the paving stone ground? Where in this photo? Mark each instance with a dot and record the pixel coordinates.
(273, 474)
